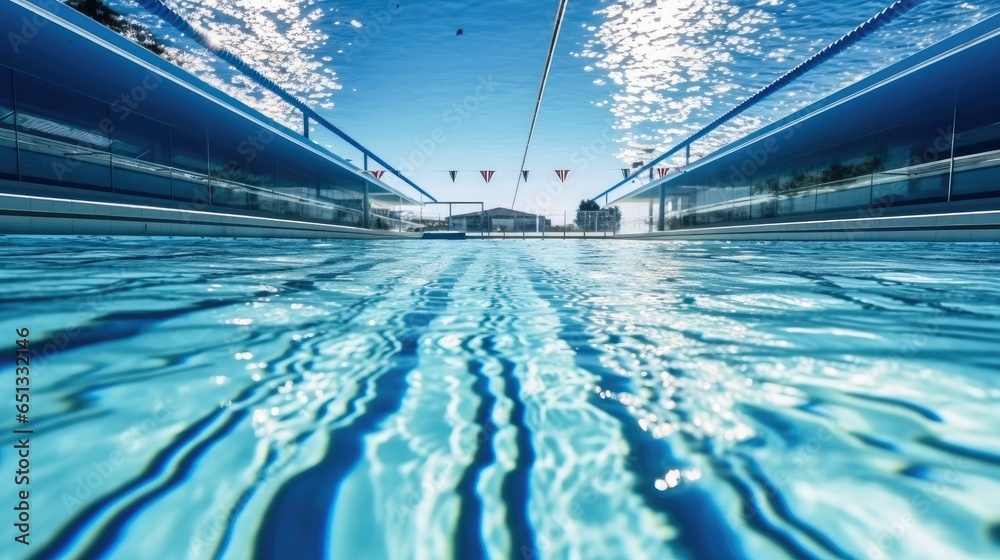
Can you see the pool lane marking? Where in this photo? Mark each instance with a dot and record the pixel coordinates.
(756, 520)
(174, 452)
(177, 454)
(693, 512)
(468, 537)
(515, 483)
(297, 520)
(323, 411)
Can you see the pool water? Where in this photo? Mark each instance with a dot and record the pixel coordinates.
(207, 398)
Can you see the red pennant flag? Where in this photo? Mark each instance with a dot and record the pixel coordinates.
(662, 171)
(377, 172)
(562, 173)
(487, 175)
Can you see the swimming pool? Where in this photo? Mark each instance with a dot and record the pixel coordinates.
(210, 398)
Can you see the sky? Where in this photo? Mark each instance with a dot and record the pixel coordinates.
(629, 79)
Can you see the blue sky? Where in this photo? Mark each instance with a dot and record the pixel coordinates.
(630, 77)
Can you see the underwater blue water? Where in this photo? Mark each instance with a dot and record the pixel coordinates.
(207, 398)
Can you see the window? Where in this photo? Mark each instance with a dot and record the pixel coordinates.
(140, 150)
(189, 163)
(62, 135)
(914, 160)
(8, 148)
(977, 142)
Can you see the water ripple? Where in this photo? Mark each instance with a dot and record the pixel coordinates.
(495, 399)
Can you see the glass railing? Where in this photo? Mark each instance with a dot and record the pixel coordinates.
(68, 164)
(393, 220)
(975, 176)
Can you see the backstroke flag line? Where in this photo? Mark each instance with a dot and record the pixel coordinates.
(377, 172)
(487, 175)
(562, 173)
(625, 173)
(453, 174)
(662, 171)
(525, 175)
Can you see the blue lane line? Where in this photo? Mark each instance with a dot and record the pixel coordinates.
(297, 522)
(703, 532)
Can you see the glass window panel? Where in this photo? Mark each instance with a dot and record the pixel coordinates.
(62, 135)
(141, 178)
(797, 202)
(189, 160)
(228, 177)
(914, 160)
(50, 111)
(978, 121)
(8, 148)
(977, 178)
(764, 193)
(741, 203)
(140, 150)
(977, 143)
(189, 151)
(140, 138)
(263, 169)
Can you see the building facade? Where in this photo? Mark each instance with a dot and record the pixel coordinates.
(912, 152)
(98, 135)
(499, 219)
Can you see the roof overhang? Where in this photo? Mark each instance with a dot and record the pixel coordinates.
(968, 57)
(72, 50)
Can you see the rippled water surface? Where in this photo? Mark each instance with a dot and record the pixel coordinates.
(507, 399)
